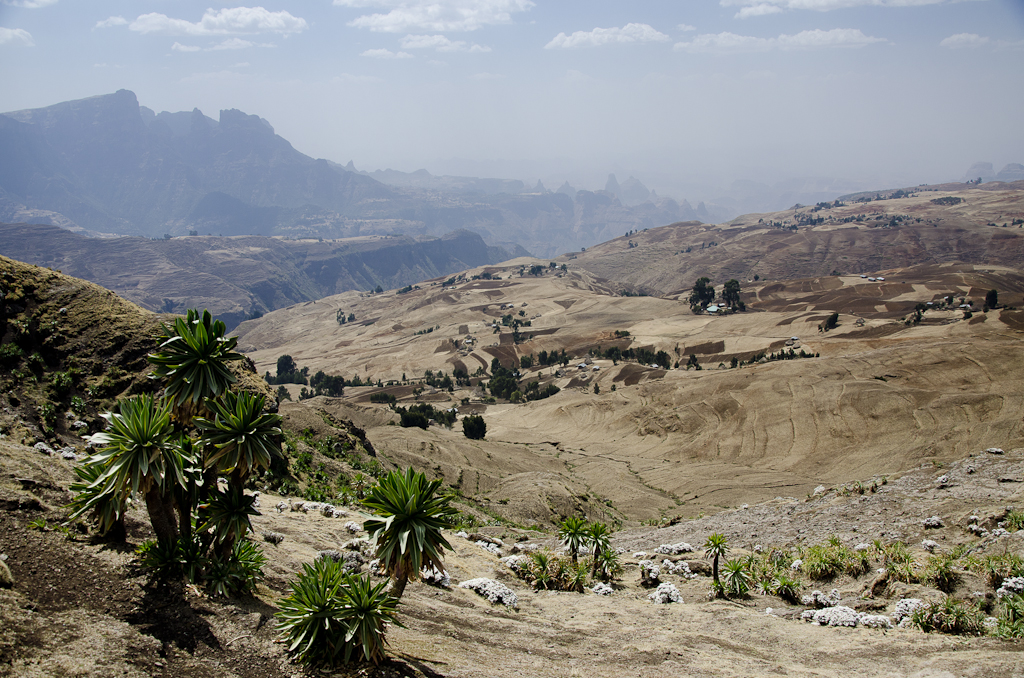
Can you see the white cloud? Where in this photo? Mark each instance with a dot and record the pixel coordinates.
(112, 21)
(16, 36)
(814, 39)
(434, 15)
(440, 43)
(964, 40)
(386, 54)
(761, 7)
(686, 27)
(607, 36)
(30, 4)
(230, 43)
(238, 20)
(758, 10)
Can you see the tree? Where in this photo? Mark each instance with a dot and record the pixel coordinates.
(701, 295)
(731, 293)
(716, 546)
(598, 536)
(407, 530)
(832, 322)
(137, 457)
(992, 299)
(573, 533)
(474, 427)
(286, 364)
(192, 362)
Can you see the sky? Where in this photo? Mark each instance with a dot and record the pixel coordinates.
(689, 97)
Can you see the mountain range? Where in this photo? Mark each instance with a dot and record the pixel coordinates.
(107, 165)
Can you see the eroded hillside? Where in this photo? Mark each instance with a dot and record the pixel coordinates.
(878, 395)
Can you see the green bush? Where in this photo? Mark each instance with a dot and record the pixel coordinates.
(1003, 566)
(1011, 619)
(942, 573)
(474, 427)
(829, 560)
(331, 617)
(950, 616)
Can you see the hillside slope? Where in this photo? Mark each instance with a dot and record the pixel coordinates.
(949, 223)
(882, 397)
(242, 276)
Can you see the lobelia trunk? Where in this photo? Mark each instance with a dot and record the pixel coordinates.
(161, 516)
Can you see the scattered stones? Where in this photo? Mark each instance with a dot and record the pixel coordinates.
(602, 589)
(281, 506)
(494, 591)
(942, 481)
(929, 545)
(435, 577)
(820, 490)
(994, 450)
(462, 533)
(44, 448)
(68, 453)
(1000, 532)
(273, 537)
(297, 506)
(674, 549)
(970, 470)
(977, 529)
(664, 594)
(932, 523)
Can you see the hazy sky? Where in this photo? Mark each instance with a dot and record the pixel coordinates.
(676, 93)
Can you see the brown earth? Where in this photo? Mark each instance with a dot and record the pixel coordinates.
(854, 238)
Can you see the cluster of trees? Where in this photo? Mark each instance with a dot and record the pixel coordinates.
(703, 295)
(420, 415)
(644, 356)
(342, 318)
(172, 449)
(288, 372)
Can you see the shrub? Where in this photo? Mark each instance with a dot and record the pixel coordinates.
(942, 574)
(1011, 619)
(1014, 521)
(331, 616)
(829, 560)
(1003, 566)
(737, 578)
(949, 616)
(474, 427)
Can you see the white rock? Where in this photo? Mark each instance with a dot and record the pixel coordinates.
(640, 555)
(435, 577)
(462, 533)
(796, 565)
(494, 591)
(486, 546)
(840, 615)
(994, 450)
(664, 594)
(43, 447)
(674, 549)
(820, 490)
